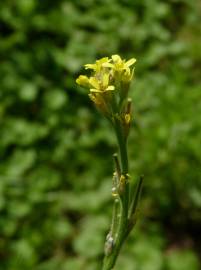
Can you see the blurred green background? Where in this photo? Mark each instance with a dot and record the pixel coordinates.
(55, 148)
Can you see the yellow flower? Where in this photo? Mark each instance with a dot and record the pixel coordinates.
(122, 67)
(95, 85)
(98, 64)
(108, 86)
(120, 64)
(101, 85)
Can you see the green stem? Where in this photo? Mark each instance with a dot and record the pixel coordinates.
(122, 143)
(110, 260)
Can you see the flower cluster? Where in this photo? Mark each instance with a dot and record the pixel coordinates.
(109, 84)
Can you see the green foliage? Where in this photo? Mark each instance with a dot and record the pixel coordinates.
(55, 149)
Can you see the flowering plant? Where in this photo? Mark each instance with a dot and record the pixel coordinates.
(108, 88)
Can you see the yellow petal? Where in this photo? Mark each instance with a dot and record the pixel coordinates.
(90, 66)
(92, 90)
(98, 65)
(103, 60)
(109, 65)
(116, 58)
(94, 82)
(82, 80)
(105, 80)
(130, 62)
(110, 88)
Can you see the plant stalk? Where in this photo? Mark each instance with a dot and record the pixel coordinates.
(110, 260)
